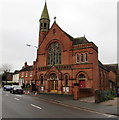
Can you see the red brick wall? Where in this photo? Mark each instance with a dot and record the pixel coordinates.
(27, 79)
(112, 76)
(89, 69)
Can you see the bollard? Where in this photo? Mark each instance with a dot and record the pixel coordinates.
(28, 92)
(35, 94)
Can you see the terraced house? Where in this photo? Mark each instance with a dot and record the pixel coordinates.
(26, 75)
(63, 60)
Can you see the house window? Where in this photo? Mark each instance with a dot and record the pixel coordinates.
(26, 74)
(54, 54)
(77, 58)
(30, 74)
(22, 74)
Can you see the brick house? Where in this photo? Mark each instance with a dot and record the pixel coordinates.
(63, 60)
(113, 75)
(26, 74)
(15, 78)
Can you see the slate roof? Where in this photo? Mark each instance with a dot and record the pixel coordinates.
(76, 41)
(28, 68)
(80, 40)
(103, 66)
(16, 72)
(112, 67)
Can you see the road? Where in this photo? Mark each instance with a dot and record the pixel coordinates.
(26, 106)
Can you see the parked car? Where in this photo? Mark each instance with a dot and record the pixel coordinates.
(14, 86)
(7, 87)
(16, 89)
(118, 92)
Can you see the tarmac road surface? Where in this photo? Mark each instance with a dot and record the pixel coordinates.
(25, 106)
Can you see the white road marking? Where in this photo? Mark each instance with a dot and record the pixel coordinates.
(18, 95)
(107, 115)
(7, 95)
(36, 106)
(16, 98)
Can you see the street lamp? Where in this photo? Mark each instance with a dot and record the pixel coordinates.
(31, 46)
(36, 63)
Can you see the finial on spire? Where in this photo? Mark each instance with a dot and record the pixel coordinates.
(55, 19)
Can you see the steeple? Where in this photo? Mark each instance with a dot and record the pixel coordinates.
(45, 14)
(44, 24)
(45, 19)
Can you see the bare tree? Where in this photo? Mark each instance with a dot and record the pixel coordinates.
(5, 68)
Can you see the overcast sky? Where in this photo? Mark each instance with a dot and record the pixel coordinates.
(19, 23)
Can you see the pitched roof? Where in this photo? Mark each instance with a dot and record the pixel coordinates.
(75, 41)
(78, 40)
(102, 66)
(112, 67)
(16, 72)
(45, 13)
(28, 68)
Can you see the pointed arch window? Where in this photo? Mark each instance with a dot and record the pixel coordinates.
(86, 57)
(66, 80)
(77, 58)
(41, 80)
(81, 76)
(54, 54)
(45, 24)
(82, 81)
(82, 58)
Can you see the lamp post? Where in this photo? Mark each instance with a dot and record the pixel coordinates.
(31, 46)
(35, 63)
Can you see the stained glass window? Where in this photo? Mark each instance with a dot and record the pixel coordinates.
(54, 54)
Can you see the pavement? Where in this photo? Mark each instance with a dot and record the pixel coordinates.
(88, 103)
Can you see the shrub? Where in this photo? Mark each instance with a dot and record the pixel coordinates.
(110, 97)
(27, 85)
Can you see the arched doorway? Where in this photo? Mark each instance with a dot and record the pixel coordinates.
(82, 81)
(53, 83)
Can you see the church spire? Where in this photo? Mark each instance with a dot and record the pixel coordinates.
(45, 14)
(44, 24)
(44, 20)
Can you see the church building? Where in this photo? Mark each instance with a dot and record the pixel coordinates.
(63, 61)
